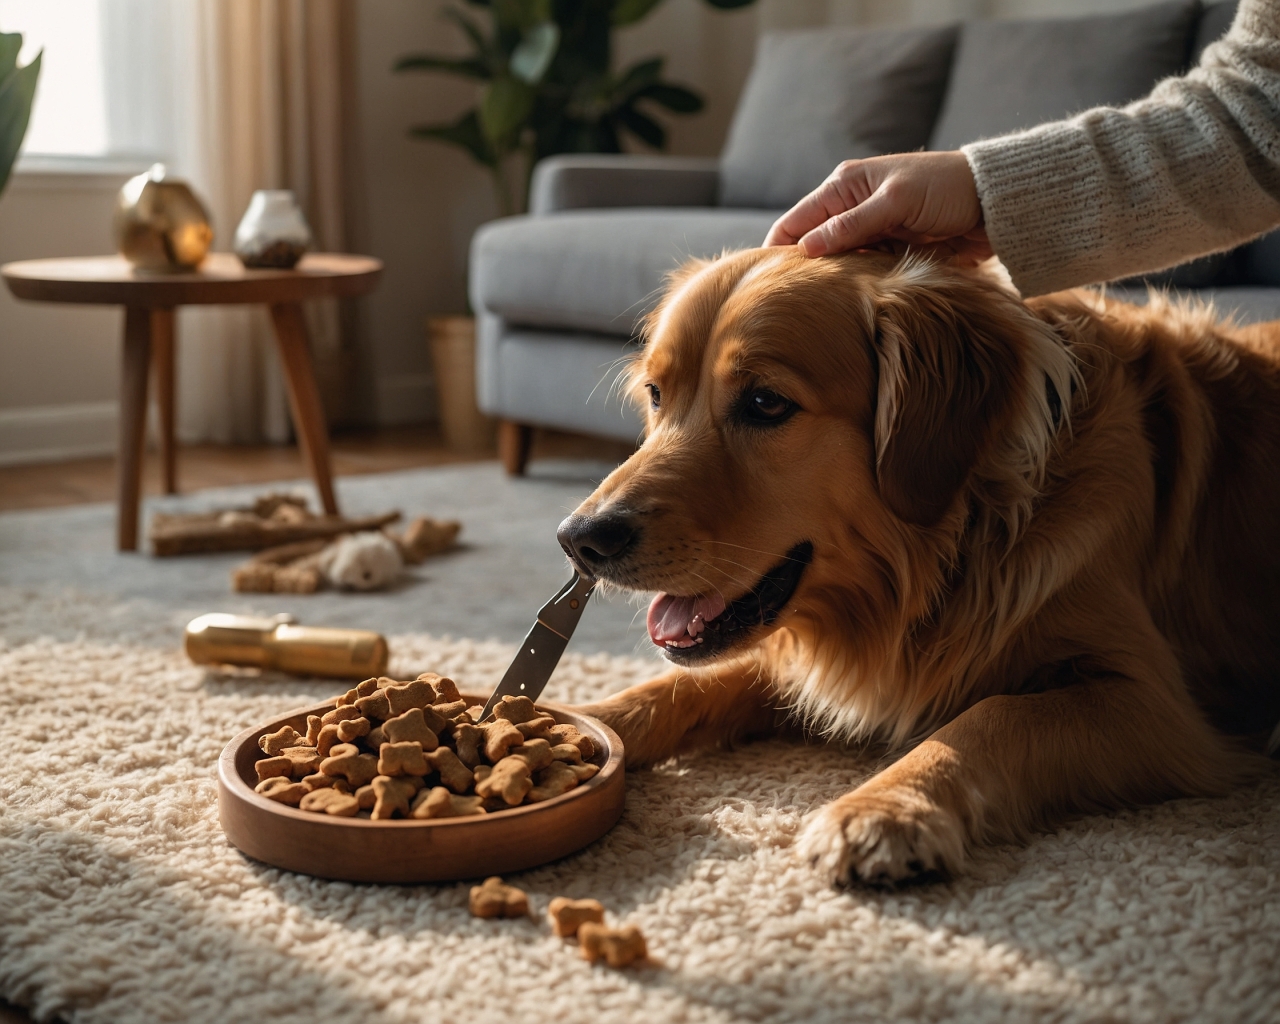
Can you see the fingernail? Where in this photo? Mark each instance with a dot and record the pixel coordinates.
(813, 245)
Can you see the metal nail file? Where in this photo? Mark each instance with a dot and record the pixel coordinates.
(528, 673)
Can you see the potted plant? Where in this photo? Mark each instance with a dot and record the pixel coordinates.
(17, 90)
(547, 86)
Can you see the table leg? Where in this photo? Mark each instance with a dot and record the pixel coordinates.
(162, 363)
(133, 423)
(304, 398)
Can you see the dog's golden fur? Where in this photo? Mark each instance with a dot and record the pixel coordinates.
(1044, 541)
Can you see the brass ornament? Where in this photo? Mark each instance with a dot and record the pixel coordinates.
(160, 224)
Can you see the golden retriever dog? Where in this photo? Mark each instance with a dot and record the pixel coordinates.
(1034, 546)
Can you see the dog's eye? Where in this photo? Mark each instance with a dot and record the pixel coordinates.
(655, 395)
(765, 406)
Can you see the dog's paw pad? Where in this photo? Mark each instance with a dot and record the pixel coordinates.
(853, 841)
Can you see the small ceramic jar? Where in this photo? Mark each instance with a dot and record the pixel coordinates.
(273, 232)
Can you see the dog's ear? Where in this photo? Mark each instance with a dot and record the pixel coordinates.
(948, 375)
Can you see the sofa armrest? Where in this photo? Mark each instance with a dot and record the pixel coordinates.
(612, 180)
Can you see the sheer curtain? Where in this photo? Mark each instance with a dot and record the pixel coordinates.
(263, 98)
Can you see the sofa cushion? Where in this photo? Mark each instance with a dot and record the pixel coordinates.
(597, 270)
(1009, 75)
(817, 97)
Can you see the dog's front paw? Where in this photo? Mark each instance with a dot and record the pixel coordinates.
(882, 838)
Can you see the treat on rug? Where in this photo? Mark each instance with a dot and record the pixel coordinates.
(496, 899)
(618, 947)
(271, 520)
(368, 560)
(567, 916)
(415, 750)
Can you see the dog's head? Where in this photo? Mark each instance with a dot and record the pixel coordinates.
(813, 426)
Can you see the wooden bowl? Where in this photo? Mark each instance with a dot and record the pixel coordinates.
(434, 850)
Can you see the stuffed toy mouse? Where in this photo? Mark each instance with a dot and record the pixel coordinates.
(369, 560)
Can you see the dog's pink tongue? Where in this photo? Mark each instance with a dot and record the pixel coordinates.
(681, 618)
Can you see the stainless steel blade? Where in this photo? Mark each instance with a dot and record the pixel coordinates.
(529, 671)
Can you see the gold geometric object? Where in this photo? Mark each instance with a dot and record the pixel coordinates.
(160, 224)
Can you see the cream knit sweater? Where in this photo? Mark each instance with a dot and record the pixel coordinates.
(1192, 169)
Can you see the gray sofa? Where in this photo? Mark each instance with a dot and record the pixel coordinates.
(559, 293)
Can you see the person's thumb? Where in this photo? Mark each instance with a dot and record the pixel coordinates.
(864, 224)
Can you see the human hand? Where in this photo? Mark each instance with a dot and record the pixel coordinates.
(923, 199)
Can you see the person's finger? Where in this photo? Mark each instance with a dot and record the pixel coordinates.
(865, 223)
(842, 190)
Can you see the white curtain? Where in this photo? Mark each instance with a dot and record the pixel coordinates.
(263, 92)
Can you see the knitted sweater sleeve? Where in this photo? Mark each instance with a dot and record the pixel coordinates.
(1193, 168)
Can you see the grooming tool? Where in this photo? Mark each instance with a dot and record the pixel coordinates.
(540, 653)
(279, 643)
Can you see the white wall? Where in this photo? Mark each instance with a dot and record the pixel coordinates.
(420, 201)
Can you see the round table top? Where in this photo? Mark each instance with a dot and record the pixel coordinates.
(221, 278)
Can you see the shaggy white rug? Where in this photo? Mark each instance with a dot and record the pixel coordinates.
(121, 902)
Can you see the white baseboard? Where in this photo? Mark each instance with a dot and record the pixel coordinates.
(54, 433)
(406, 398)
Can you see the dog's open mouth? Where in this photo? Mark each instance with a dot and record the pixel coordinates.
(702, 626)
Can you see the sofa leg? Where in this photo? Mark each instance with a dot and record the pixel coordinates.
(514, 442)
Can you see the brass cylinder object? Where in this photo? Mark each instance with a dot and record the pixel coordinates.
(160, 224)
(282, 645)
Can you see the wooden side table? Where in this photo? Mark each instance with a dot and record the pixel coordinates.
(150, 301)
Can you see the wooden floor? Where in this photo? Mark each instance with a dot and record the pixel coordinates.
(208, 465)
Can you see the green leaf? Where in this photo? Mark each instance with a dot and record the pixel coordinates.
(531, 58)
(638, 76)
(474, 32)
(675, 98)
(628, 12)
(729, 5)
(505, 106)
(464, 132)
(648, 130)
(468, 67)
(10, 45)
(17, 90)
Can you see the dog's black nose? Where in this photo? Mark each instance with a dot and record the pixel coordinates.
(591, 541)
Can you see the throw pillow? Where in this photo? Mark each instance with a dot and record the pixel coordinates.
(817, 97)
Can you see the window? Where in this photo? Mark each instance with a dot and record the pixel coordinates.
(106, 88)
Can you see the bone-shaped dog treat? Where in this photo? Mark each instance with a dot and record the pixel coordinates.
(366, 797)
(537, 728)
(271, 767)
(359, 690)
(567, 916)
(274, 742)
(469, 740)
(331, 801)
(440, 803)
(415, 694)
(391, 797)
(314, 725)
(570, 734)
(556, 779)
(510, 780)
(412, 727)
(341, 714)
(618, 947)
(357, 768)
(450, 710)
(322, 781)
(566, 752)
(402, 759)
(352, 729)
(445, 688)
(582, 771)
(376, 707)
(304, 760)
(329, 735)
(282, 790)
(499, 738)
(494, 899)
(516, 710)
(453, 773)
(536, 754)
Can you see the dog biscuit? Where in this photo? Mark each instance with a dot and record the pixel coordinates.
(496, 899)
(412, 727)
(274, 742)
(438, 802)
(567, 916)
(618, 947)
(510, 780)
(402, 759)
(391, 797)
(331, 801)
